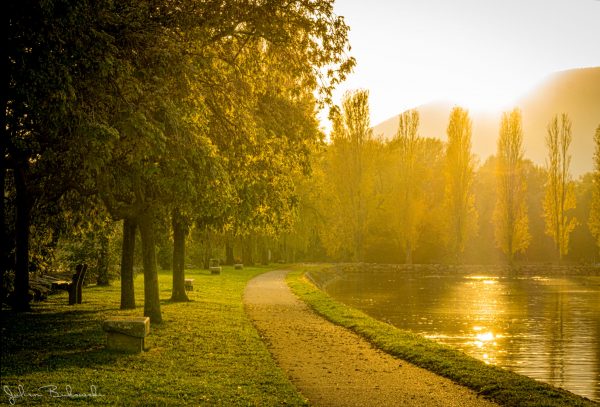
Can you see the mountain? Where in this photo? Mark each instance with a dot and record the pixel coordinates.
(575, 92)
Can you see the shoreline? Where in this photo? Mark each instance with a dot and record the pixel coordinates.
(328, 273)
(502, 386)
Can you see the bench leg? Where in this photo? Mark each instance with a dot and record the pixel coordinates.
(72, 295)
(79, 296)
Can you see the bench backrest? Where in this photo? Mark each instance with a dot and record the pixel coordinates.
(77, 283)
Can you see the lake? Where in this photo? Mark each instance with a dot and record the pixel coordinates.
(543, 326)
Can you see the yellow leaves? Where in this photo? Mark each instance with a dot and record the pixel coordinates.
(560, 195)
(459, 201)
(594, 219)
(510, 213)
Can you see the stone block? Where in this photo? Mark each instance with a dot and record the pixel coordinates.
(138, 327)
(238, 266)
(126, 334)
(124, 343)
(189, 284)
(215, 270)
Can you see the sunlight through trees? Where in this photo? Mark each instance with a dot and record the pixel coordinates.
(510, 214)
(594, 218)
(460, 165)
(560, 195)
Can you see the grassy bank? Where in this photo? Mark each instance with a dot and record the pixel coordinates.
(206, 352)
(499, 385)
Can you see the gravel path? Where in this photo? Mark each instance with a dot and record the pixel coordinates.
(332, 366)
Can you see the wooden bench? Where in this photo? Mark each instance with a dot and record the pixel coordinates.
(76, 285)
(189, 284)
(126, 334)
(38, 291)
(238, 266)
(40, 286)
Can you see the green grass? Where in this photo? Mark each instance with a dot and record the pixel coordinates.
(206, 352)
(504, 387)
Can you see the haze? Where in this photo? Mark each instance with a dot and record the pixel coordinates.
(479, 54)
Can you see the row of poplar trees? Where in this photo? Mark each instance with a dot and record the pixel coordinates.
(420, 195)
(197, 111)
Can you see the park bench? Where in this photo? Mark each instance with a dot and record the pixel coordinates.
(238, 266)
(38, 291)
(126, 334)
(40, 286)
(213, 266)
(76, 284)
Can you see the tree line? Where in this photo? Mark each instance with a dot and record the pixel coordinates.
(163, 115)
(157, 123)
(413, 199)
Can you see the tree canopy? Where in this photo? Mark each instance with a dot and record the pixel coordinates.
(204, 107)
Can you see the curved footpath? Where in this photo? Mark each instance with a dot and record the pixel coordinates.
(332, 366)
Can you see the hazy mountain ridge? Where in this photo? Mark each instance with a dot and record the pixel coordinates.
(575, 92)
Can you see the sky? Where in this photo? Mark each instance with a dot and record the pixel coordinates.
(480, 54)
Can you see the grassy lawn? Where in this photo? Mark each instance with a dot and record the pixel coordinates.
(504, 387)
(205, 352)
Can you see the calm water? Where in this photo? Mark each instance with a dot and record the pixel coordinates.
(547, 328)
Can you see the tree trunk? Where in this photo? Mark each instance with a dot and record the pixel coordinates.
(21, 294)
(127, 252)
(103, 279)
(247, 257)
(265, 251)
(179, 231)
(229, 257)
(4, 136)
(151, 290)
(207, 249)
(3, 232)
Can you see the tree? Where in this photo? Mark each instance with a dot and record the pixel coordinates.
(594, 218)
(510, 213)
(560, 196)
(148, 104)
(459, 200)
(347, 177)
(409, 203)
(49, 47)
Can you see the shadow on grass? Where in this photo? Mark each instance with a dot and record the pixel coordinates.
(47, 341)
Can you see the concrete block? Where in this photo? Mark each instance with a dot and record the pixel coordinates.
(189, 284)
(124, 343)
(126, 334)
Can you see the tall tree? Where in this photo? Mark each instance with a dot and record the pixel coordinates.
(594, 219)
(49, 48)
(409, 202)
(350, 136)
(127, 96)
(459, 201)
(560, 195)
(510, 212)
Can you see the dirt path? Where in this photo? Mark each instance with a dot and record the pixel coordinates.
(332, 366)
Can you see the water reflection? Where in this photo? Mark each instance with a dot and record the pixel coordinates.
(544, 327)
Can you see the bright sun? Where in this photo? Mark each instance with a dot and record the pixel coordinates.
(483, 55)
(492, 93)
